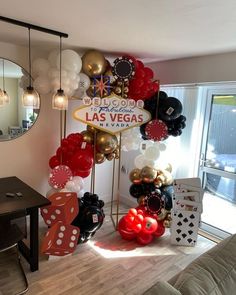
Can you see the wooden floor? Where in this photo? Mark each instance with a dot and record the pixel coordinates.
(105, 265)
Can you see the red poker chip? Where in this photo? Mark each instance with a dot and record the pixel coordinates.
(59, 176)
(123, 68)
(156, 130)
(154, 202)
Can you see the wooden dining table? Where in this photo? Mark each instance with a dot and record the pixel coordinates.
(29, 200)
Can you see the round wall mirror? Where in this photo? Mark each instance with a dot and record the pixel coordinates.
(15, 119)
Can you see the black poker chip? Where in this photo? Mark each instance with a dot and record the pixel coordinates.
(154, 202)
(123, 69)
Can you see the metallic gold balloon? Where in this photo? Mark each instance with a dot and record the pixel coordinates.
(141, 200)
(166, 223)
(118, 90)
(168, 217)
(162, 215)
(159, 181)
(92, 129)
(117, 153)
(93, 63)
(106, 143)
(87, 136)
(90, 91)
(99, 158)
(110, 156)
(168, 177)
(109, 73)
(135, 176)
(126, 89)
(125, 95)
(148, 174)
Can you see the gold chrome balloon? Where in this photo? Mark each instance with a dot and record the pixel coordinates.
(141, 200)
(106, 143)
(109, 73)
(87, 136)
(167, 223)
(162, 215)
(148, 174)
(99, 158)
(92, 129)
(135, 176)
(126, 89)
(159, 180)
(168, 167)
(118, 90)
(110, 156)
(117, 153)
(93, 63)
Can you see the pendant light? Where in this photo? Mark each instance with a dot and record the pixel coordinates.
(60, 99)
(1, 98)
(6, 97)
(30, 98)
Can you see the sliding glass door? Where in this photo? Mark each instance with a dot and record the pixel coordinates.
(218, 163)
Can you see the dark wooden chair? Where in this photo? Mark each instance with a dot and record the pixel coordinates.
(13, 229)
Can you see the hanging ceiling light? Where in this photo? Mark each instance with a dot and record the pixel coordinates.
(30, 98)
(60, 99)
(5, 96)
(1, 98)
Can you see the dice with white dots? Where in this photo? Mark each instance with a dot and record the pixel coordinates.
(61, 239)
(64, 207)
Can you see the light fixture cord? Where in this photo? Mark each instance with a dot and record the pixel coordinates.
(29, 59)
(3, 79)
(60, 59)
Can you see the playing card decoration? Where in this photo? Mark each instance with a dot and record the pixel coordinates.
(156, 130)
(59, 176)
(123, 69)
(187, 207)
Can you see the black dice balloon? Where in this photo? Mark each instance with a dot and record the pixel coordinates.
(90, 217)
(170, 108)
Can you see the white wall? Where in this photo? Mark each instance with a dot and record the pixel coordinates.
(210, 68)
(27, 156)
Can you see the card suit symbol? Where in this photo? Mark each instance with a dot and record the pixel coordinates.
(192, 216)
(178, 231)
(180, 215)
(191, 224)
(178, 239)
(189, 240)
(185, 219)
(190, 232)
(184, 236)
(179, 223)
(182, 205)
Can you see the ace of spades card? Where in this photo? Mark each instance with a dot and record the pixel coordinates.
(184, 227)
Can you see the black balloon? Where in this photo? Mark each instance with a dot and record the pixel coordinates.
(167, 192)
(169, 109)
(136, 190)
(148, 188)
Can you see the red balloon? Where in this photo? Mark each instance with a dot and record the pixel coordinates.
(53, 162)
(125, 233)
(81, 173)
(144, 239)
(82, 160)
(148, 73)
(140, 64)
(149, 225)
(139, 73)
(64, 142)
(160, 229)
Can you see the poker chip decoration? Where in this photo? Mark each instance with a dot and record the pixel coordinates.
(154, 202)
(123, 69)
(59, 176)
(156, 130)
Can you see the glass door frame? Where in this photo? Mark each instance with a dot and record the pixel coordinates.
(202, 168)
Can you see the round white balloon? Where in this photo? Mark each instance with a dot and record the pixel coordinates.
(40, 67)
(42, 85)
(152, 153)
(84, 81)
(71, 61)
(139, 161)
(52, 58)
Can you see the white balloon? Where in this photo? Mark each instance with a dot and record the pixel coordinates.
(162, 147)
(144, 145)
(152, 153)
(71, 75)
(149, 163)
(69, 185)
(65, 190)
(42, 85)
(139, 161)
(55, 83)
(51, 192)
(78, 180)
(84, 81)
(40, 66)
(81, 193)
(24, 82)
(52, 58)
(79, 93)
(71, 61)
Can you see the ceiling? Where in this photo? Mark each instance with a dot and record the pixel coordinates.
(149, 29)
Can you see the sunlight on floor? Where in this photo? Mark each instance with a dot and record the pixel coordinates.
(219, 213)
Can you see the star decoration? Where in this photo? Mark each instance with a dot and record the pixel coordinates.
(101, 86)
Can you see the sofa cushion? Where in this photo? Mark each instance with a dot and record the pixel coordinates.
(213, 273)
(162, 288)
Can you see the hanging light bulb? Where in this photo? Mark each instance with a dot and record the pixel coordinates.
(1, 98)
(60, 99)
(30, 97)
(5, 96)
